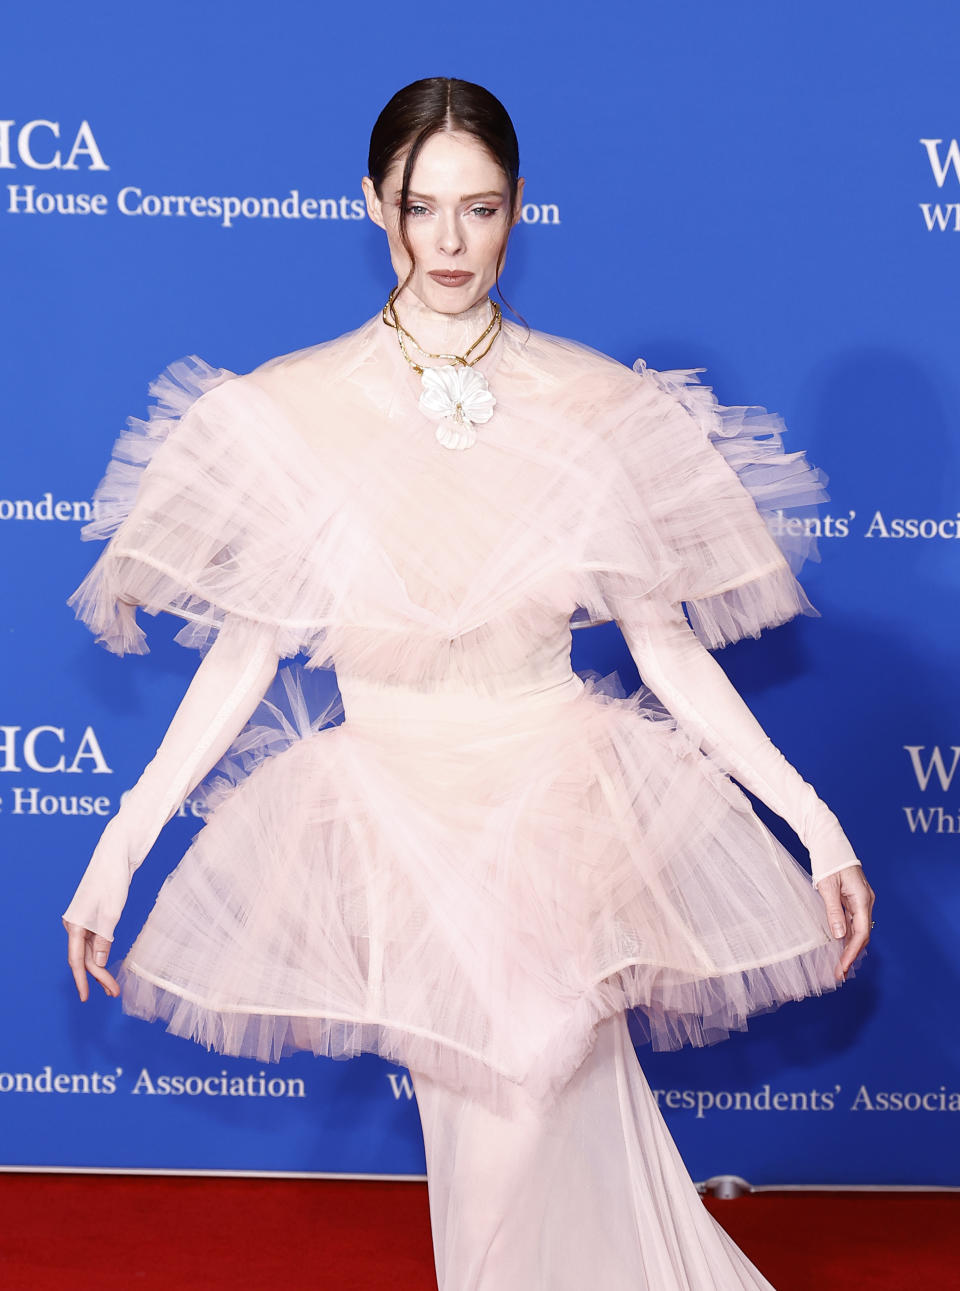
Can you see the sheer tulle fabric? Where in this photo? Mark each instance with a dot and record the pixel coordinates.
(489, 855)
(307, 494)
(468, 886)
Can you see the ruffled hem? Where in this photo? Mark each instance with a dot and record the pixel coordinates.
(96, 602)
(762, 602)
(750, 440)
(211, 512)
(669, 1014)
(735, 580)
(280, 822)
(175, 391)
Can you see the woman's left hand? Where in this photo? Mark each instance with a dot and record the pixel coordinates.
(849, 899)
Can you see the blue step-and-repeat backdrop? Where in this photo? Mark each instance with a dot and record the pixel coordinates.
(771, 192)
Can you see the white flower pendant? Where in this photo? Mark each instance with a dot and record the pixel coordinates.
(457, 397)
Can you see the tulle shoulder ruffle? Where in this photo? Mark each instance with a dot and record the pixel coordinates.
(174, 392)
(200, 507)
(724, 499)
(311, 496)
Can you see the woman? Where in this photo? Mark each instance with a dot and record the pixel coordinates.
(492, 857)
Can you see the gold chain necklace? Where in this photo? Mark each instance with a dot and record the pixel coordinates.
(389, 316)
(455, 395)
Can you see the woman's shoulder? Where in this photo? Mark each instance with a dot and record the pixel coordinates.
(576, 357)
(315, 365)
(583, 374)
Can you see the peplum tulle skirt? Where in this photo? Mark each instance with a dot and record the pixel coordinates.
(469, 884)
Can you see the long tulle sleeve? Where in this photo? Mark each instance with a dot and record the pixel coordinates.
(685, 677)
(706, 495)
(225, 690)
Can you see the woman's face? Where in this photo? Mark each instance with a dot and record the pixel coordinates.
(458, 218)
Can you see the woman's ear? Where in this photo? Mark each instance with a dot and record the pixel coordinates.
(518, 202)
(374, 204)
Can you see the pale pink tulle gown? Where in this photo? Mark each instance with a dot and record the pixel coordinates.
(491, 857)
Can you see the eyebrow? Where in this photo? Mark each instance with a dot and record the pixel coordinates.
(471, 197)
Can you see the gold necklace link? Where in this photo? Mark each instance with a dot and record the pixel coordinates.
(461, 358)
(391, 319)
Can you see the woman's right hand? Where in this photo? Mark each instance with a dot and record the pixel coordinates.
(87, 953)
(848, 899)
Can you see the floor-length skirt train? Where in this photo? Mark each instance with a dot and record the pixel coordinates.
(587, 1190)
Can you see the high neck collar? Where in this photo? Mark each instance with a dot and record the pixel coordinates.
(441, 333)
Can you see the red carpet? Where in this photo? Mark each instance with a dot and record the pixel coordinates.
(122, 1233)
